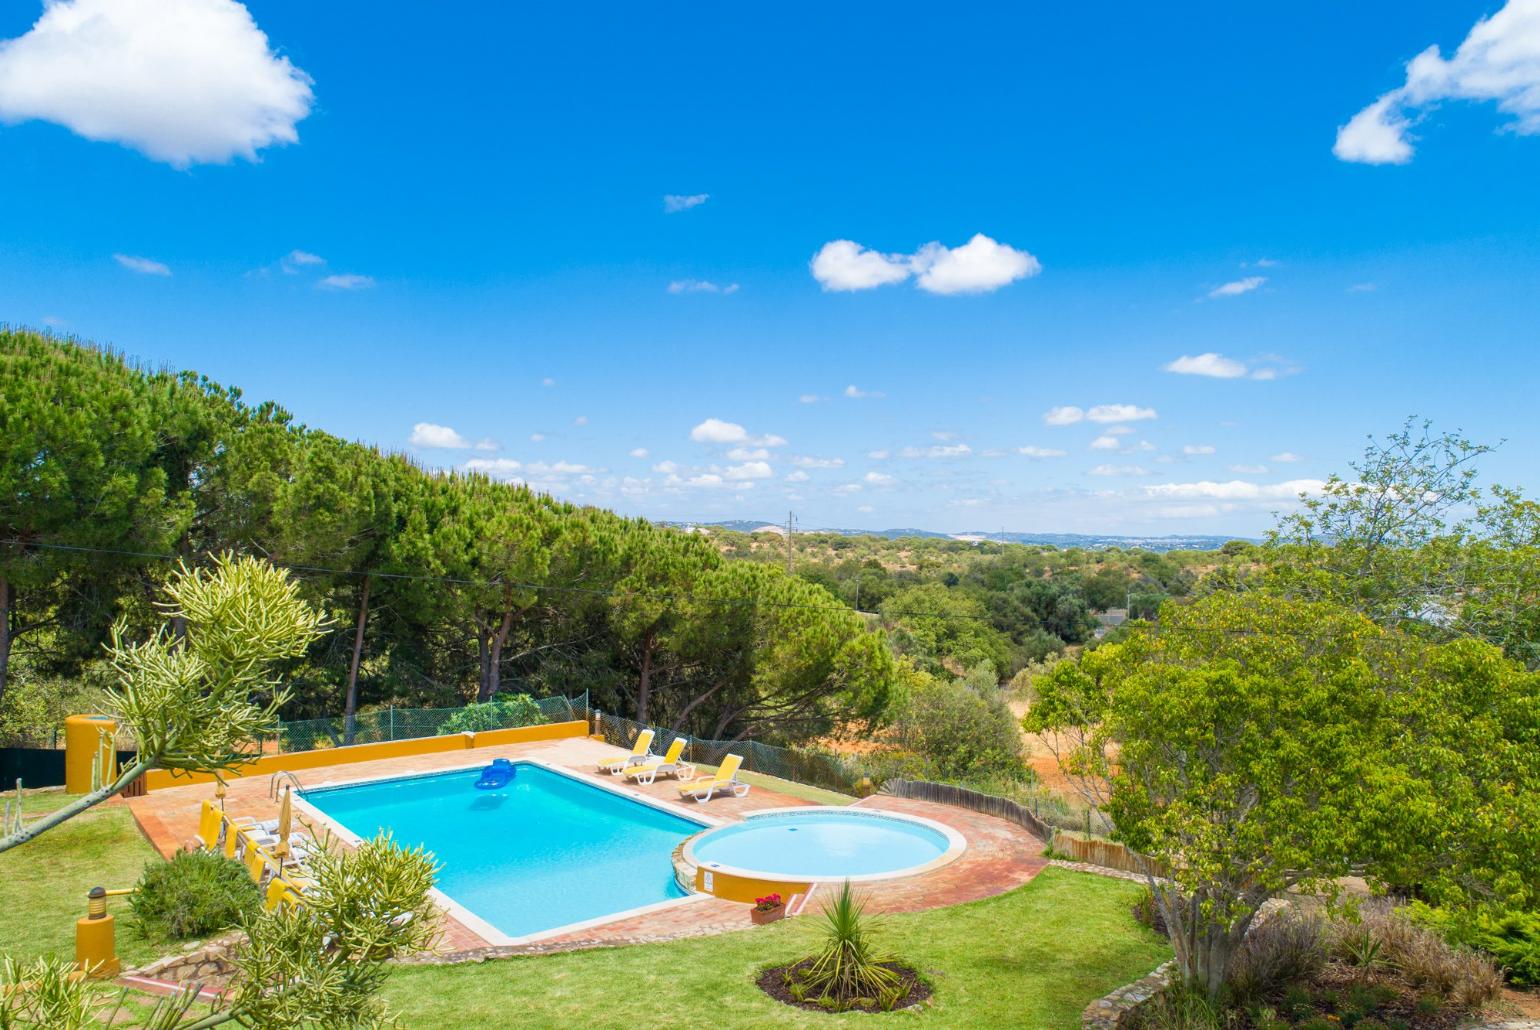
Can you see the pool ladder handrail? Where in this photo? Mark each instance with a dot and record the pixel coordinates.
(280, 778)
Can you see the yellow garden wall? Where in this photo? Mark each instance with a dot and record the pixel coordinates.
(160, 779)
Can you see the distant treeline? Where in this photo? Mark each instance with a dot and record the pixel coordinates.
(441, 587)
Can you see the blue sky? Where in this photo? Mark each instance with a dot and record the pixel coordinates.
(485, 255)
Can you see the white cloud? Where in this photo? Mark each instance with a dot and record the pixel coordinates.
(717, 431)
(809, 462)
(809, 398)
(676, 202)
(181, 81)
(1236, 490)
(848, 488)
(668, 468)
(750, 470)
(954, 450)
(1119, 470)
(537, 438)
(1238, 287)
(714, 430)
(555, 468)
(1064, 415)
(1041, 452)
(854, 392)
(707, 479)
(880, 479)
(142, 265)
(427, 434)
(1285, 458)
(1376, 135)
(638, 452)
(748, 454)
(701, 286)
(1105, 443)
(844, 265)
(1248, 470)
(865, 509)
(486, 443)
(1215, 366)
(943, 435)
(502, 467)
(798, 477)
(1119, 413)
(978, 266)
(348, 281)
(1198, 448)
(548, 382)
(879, 455)
(581, 420)
(1499, 60)
(966, 502)
(294, 260)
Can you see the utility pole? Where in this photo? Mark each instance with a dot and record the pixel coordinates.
(791, 527)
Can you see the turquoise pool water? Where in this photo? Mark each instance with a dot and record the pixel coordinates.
(545, 851)
(822, 844)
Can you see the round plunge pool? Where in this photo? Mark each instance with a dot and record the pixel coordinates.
(806, 845)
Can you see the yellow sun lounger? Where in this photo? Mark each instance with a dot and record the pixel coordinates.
(668, 765)
(725, 781)
(638, 755)
(209, 820)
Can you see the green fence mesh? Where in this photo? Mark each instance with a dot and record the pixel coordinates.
(401, 724)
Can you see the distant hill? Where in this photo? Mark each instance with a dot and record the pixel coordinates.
(1089, 541)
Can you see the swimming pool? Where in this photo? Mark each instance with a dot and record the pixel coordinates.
(546, 851)
(807, 845)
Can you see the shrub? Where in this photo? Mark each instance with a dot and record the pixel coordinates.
(1179, 1009)
(503, 712)
(961, 732)
(194, 894)
(1422, 958)
(1148, 913)
(846, 973)
(1510, 936)
(1279, 953)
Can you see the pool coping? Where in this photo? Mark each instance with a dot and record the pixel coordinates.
(956, 845)
(483, 929)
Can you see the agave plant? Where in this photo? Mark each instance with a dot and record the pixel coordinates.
(847, 971)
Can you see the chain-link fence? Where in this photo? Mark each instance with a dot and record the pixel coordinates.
(405, 723)
(814, 768)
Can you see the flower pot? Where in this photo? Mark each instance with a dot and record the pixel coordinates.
(767, 915)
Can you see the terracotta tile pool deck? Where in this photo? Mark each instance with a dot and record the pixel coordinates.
(1000, 855)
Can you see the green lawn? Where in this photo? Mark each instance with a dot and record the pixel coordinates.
(43, 883)
(1033, 958)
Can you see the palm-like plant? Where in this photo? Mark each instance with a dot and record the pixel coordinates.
(847, 972)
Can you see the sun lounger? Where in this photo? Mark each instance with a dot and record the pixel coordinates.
(668, 765)
(638, 756)
(724, 781)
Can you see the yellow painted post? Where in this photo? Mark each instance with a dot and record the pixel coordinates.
(96, 948)
(83, 743)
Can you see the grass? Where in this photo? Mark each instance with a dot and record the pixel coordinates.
(43, 883)
(1032, 958)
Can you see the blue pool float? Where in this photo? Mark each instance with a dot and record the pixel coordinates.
(497, 775)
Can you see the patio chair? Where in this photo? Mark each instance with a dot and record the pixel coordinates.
(724, 781)
(668, 765)
(639, 755)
